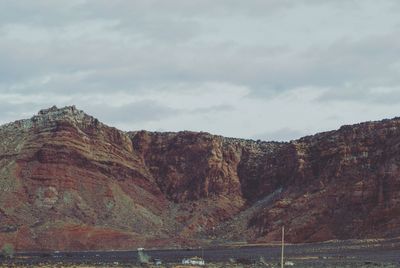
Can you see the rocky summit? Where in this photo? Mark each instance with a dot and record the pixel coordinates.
(69, 182)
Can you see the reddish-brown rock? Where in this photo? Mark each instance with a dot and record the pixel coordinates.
(69, 182)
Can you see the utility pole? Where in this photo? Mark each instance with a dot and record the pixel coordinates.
(283, 245)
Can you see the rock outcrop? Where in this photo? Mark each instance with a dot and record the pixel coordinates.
(69, 182)
(346, 185)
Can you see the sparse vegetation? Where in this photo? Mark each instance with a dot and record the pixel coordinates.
(143, 257)
(7, 250)
(262, 261)
(244, 261)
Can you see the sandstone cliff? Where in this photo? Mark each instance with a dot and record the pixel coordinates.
(69, 182)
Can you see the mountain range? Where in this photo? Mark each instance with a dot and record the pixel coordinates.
(70, 182)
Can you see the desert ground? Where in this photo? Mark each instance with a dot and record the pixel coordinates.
(351, 253)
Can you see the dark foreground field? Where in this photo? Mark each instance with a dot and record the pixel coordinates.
(366, 253)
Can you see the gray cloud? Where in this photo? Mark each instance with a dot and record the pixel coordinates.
(369, 62)
(283, 134)
(129, 46)
(13, 111)
(38, 12)
(381, 96)
(126, 54)
(212, 109)
(146, 111)
(136, 112)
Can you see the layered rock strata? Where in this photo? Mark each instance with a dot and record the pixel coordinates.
(69, 182)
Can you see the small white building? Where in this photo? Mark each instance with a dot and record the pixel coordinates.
(194, 261)
(157, 262)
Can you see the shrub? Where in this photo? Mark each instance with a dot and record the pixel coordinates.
(262, 261)
(244, 261)
(8, 250)
(143, 257)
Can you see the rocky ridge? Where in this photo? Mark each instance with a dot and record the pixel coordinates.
(69, 182)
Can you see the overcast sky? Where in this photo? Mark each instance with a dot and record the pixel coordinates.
(261, 69)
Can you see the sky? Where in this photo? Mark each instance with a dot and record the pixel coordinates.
(257, 69)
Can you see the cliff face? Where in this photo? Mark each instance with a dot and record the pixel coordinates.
(347, 185)
(64, 172)
(69, 182)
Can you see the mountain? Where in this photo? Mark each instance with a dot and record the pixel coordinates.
(70, 182)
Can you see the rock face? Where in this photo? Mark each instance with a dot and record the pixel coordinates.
(69, 182)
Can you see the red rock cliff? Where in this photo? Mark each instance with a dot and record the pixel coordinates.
(69, 182)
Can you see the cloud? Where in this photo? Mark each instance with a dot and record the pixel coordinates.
(283, 134)
(213, 109)
(141, 111)
(227, 66)
(130, 46)
(145, 111)
(14, 111)
(345, 66)
(376, 95)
